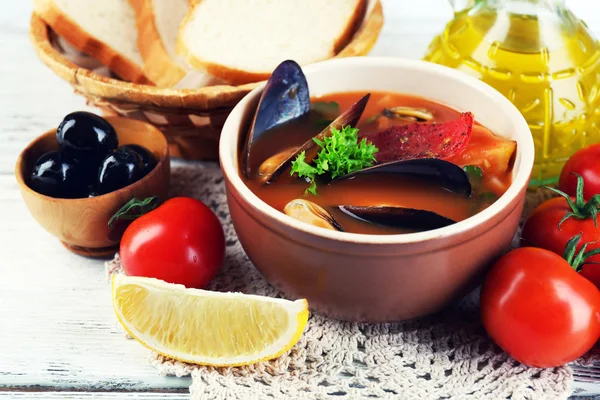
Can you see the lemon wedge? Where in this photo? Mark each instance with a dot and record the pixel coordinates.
(205, 327)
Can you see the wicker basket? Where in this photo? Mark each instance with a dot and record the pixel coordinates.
(190, 118)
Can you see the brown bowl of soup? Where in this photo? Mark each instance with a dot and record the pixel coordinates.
(386, 246)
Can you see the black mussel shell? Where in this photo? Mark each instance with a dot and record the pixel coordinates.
(285, 97)
(449, 176)
(349, 117)
(398, 217)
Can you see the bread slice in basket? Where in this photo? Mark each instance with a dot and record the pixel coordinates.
(104, 29)
(242, 41)
(158, 24)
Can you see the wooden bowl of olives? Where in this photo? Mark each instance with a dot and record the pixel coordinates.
(75, 178)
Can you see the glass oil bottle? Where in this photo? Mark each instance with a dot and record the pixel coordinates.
(542, 58)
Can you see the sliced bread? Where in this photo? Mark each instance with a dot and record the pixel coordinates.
(242, 41)
(158, 27)
(104, 29)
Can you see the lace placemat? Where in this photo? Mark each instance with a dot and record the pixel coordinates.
(446, 356)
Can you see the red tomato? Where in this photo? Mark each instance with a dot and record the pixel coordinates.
(538, 309)
(180, 242)
(541, 228)
(585, 163)
(591, 272)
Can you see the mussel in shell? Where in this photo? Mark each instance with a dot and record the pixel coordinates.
(349, 117)
(284, 98)
(311, 213)
(411, 114)
(266, 169)
(404, 113)
(389, 216)
(443, 173)
(398, 217)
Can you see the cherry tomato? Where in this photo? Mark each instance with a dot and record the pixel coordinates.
(181, 241)
(542, 228)
(538, 309)
(585, 163)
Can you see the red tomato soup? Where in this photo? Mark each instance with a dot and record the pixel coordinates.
(384, 198)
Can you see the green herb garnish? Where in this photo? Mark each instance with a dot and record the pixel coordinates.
(134, 208)
(341, 154)
(488, 197)
(474, 173)
(484, 199)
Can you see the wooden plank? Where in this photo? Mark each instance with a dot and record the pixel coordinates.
(59, 328)
(32, 98)
(93, 395)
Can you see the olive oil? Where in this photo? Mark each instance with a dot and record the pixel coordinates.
(540, 57)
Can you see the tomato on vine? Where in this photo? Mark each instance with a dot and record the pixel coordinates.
(556, 221)
(585, 164)
(538, 309)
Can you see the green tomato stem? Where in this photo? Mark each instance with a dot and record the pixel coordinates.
(580, 209)
(577, 259)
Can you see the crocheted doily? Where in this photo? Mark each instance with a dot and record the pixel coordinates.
(446, 356)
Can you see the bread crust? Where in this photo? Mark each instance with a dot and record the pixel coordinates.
(206, 99)
(158, 65)
(126, 94)
(83, 41)
(237, 76)
(366, 36)
(351, 27)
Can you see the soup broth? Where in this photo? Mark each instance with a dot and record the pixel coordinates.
(378, 189)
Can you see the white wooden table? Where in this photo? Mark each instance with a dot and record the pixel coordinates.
(58, 337)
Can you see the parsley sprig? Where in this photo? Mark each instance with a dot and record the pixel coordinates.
(341, 154)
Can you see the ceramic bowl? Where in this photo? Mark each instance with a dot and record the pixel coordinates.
(378, 278)
(82, 224)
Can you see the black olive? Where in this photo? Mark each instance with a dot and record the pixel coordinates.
(47, 177)
(92, 191)
(56, 175)
(147, 158)
(119, 168)
(86, 137)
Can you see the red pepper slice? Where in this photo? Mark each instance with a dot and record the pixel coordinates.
(423, 140)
